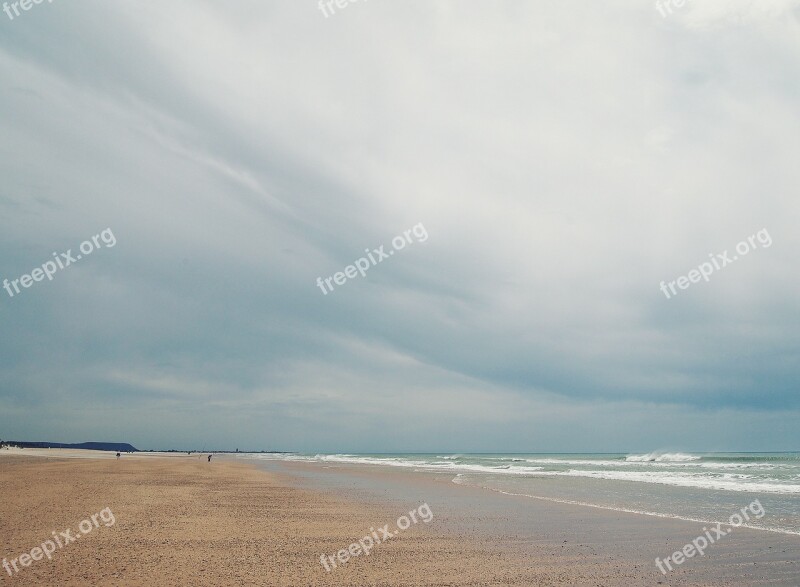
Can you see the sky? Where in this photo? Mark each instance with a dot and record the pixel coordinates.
(562, 159)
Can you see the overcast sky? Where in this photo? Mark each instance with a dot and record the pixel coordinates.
(564, 157)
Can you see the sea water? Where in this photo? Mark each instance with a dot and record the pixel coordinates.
(706, 487)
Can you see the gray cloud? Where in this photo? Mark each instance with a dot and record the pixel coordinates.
(564, 158)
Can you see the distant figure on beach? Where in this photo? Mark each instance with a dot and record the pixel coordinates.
(209, 458)
(117, 455)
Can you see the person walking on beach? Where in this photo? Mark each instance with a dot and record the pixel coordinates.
(117, 455)
(209, 458)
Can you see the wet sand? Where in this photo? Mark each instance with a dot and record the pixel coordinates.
(179, 520)
(558, 543)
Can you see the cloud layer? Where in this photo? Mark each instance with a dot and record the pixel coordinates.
(564, 158)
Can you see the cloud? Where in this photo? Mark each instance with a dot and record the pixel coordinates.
(564, 159)
(725, 13)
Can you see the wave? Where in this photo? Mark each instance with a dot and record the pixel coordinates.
(576, 462)
(419, 464)
(728, 482)
(656, 457)
(459, 480)
(674, 469)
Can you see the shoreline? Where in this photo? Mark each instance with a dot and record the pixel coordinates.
(679, 487)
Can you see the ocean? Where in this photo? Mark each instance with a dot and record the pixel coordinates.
(704, 487)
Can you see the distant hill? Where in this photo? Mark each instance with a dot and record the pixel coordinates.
(113, 446)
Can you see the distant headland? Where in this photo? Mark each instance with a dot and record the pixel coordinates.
(113, 446)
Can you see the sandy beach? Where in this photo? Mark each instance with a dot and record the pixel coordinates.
(180, 520)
